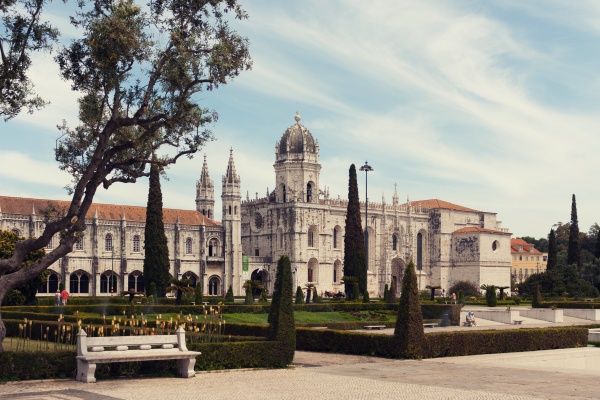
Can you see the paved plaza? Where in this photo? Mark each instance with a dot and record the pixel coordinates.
(323, 376)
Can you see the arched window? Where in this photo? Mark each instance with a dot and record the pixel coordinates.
(229, 210)
(136, 244)
(235, 210)
(190, 276)
(394, 242)
(209, 214)
(283, 193)
(213, 248)
(280, 237)
(108, 242)
(313, 266)
(51, 284)
(311, 238)
(213, 286)
(79, 243)
(309, 192)
(79, 282)
(108, 282)
(335, 239)
(188, 246)
(135, 281)
(336, 270)
(419, 251)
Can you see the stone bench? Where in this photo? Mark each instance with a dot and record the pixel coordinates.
(430, 325)
(374, 327)
(102, 350)
(517, 321)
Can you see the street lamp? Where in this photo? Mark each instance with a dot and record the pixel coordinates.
(367, 168)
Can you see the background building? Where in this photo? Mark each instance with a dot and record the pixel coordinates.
(526, 260)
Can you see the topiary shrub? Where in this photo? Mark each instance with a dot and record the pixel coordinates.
(392, 298)
(299, 296)
(198, 298)
(461, 297)
(248, 300)
(355, 293)
(536, 302)
(366, 297)
(409, 335)
(229, 295)
(490, 295)
(282, 326)
(263, 297)
(386, 292)
(316, 298)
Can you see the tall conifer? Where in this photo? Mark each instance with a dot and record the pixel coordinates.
(574, 250)
(156, 260)
(354, 245)
(552, 251)
(282, 326)
(409, 334)
(597, 249)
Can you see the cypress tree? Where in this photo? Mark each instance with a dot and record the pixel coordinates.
(366, 298)
(282, 327)
(536, 302)
(354, 244)
(552, 251)
(409, 334)
(386, 293)
(229, 295)
(199, 298)
(597, 249)
(391, 297)
(156, 261)
(574, 250)
(299, 296)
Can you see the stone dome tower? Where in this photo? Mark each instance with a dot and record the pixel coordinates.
(297, 165)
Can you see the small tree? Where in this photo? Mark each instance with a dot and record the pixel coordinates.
(409, 334)
(180, 287)
(552, 251)
(299, 295)
(263, 297)
(386, 293)
(248, 300)
(282, 327)
(468, 288)
(316, 298)
(354, 239)
(490, 295)
(461, 297)
(229, 295)
(536, 301)
(152, 295)
(309, 287)
(366, 298)
(392, 298)
(198, 298)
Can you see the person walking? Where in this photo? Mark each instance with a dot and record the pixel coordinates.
(453, 298)
(64, 295)
(57, 297)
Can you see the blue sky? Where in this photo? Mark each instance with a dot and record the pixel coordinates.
(490, 105)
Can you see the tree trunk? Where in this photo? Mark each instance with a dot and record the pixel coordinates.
(2, 333)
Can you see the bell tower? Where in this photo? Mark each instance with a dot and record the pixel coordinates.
(231, 199)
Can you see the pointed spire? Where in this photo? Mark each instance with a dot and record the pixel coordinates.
(96, 213)
(383, 198)
(33, 209)
(247, 195)
(231, 176)
(204, 176)
(395, 197)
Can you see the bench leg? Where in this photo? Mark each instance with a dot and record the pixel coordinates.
(185, 367)
(86, 371)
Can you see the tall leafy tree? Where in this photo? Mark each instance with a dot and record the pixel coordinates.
(23, 33)
(552, 251)
(142, 73)
(574, 250)
(156, 260)
(354, 245)
(409, 334)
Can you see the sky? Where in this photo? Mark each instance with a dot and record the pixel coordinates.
(489, 105)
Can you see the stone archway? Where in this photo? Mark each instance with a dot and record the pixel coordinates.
(398, 266)
(259, 275)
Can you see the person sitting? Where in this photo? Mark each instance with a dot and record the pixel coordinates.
(471, 319)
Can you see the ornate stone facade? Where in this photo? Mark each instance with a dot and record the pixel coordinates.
(447, 242)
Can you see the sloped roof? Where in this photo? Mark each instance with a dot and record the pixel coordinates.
(114, 212)
(470, 229)
(436, 203)
(527, 247)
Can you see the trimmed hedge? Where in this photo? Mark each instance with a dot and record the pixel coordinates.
(62, 364)
(444, 344)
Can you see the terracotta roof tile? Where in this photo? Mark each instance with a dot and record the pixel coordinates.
(114, 212)
(436, 203)
(469, 229)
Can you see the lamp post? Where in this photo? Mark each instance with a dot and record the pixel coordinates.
(367, 168)
(112, 270)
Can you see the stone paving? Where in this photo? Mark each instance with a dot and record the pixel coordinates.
(323, 376)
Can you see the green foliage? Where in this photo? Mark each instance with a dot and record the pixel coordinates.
(409, 335)
(309, 288)
(350, 282)
(316, 298)
(198, 297)
(25, 293)
(574, 250)
(536, 301)
(467, 287)
(180, 287)
(299, 296)
(443, 344)
(490, 295)
(561, 281)
(461, 297)
(355, 293)
(263, 297)
(248, 299)
(552, 251)
(156, 260)
(282, 327)
(386, 292)
(354, 241)
(366, 297)
(392, 298)
(229, 295)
